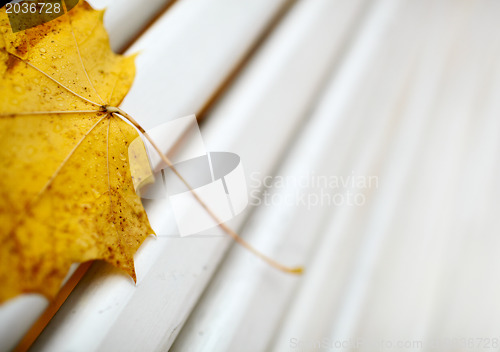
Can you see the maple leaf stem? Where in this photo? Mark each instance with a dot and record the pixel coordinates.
(223, 226)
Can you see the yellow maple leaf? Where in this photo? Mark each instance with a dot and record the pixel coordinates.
(67, 194)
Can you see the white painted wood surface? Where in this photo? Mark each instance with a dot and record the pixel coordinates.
(387, 89)
(415, 106)
(416, 264)
(245, 300)
(125, 19)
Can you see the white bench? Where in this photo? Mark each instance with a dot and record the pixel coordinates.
(300, 88)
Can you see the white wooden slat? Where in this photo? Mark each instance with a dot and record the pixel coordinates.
(473, 293)
(465, 305)
(87, 319)
(419, 239)
(332, 266)
(187, 54)
(441, 193)
(17, 316)
(394, 282)
(245, 302)
(123, 20)
(321, 295)
(388, 213)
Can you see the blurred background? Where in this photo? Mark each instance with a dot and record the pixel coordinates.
(401, 96)
(370, 136)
